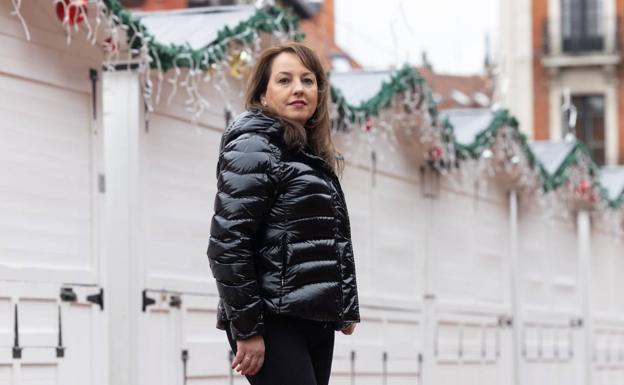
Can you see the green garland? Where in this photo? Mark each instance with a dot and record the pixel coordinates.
(402, 80)
(407, 78)
(550, 182)
(410, 77)
(267, 20)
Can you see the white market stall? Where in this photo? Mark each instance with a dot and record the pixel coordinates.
(480, 258)
(52, 324)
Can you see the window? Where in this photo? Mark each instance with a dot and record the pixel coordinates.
(582, 25)
(590, 124)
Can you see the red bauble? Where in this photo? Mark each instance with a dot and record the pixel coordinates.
(435, 153)
(109, 45)
(583, 186)
(73, 10)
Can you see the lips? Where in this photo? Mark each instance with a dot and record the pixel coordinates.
(297, 103)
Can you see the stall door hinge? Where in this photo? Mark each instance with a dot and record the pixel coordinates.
(97, 299)
(146, 301)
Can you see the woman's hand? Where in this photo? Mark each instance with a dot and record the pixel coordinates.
(249, 355)
(348, 330)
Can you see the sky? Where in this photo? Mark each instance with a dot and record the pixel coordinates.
(381, 34)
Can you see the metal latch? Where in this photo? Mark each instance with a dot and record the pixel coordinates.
(60, 349)
(175, 301)
(68, 294)
(17, 349)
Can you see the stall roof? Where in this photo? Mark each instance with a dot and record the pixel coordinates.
(359, 86)
(612, 179)
(552, 154)
(198, 27)
(469, 122)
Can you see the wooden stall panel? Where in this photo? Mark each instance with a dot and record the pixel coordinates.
(605, 278)
(386, 348)
(160, 362)
(6, 374)
(492, 335)
(404, 346)
(357, 189)
(550, 351)
(84, 338)
(46, 183)
(46, 57)
(398, 246)
(6, 327)
(608, 353)
(471, 347)
(548, 262)
(178, 188)
(468, 249)
(44, 340)
(604, 274)
(208, 350)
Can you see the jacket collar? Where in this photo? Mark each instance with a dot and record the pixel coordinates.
(252, 121)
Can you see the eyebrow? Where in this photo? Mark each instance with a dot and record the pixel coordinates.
(289, 73)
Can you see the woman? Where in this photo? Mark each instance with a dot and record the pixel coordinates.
(280, 242)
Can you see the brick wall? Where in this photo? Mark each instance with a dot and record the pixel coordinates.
(541, 107)
(620, 76)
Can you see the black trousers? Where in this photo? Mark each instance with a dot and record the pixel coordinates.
(297, 352)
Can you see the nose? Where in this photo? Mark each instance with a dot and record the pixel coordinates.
(297, 87)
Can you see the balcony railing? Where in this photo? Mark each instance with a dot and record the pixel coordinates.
(570, 37)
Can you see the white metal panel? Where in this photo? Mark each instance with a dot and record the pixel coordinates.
(47, 188)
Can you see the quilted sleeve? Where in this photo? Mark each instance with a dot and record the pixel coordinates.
(246, 186)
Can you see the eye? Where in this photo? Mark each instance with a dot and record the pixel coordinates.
(308, 81)
(283, 80)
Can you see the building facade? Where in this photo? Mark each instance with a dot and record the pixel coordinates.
(561, 70)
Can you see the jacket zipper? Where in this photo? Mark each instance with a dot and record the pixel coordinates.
(284, 258)
(348, 228)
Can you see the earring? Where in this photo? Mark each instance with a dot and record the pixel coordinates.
(264, 103)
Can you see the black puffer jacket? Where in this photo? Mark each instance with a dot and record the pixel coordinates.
(280, 240)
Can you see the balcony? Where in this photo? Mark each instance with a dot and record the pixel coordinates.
(580, 43)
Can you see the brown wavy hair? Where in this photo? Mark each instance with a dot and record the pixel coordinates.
(317, 131)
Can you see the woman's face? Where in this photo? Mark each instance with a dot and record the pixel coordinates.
(292, 91)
